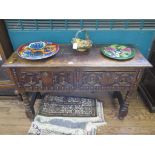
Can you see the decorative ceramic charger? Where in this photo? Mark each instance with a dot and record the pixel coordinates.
(118, 52)
(38, 50)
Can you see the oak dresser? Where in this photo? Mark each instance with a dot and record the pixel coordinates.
(71, 72)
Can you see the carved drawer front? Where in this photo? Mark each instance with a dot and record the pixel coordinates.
(102, 80)
(43, 80)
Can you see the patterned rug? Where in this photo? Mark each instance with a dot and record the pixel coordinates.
(83, 123)
(68, 106)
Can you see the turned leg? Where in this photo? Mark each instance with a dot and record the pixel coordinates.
(123, 110)
(29, 109)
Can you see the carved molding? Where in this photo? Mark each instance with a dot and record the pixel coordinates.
(15, 76)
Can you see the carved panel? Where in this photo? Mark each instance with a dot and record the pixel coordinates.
(43, 80)
(30, 80)
(63, 80)
(124, 78)
(72, 80)
(103, 80)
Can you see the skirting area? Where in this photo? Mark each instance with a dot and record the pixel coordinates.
(139, 119)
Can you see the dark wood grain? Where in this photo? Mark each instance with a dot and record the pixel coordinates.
(147, 84)
(5, 41)
(6, 50)
(67, 57)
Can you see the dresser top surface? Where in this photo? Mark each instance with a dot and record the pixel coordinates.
(67, 57)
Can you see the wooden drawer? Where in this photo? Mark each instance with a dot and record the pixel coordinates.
(75, 80)
(105, 80)
(46, 80)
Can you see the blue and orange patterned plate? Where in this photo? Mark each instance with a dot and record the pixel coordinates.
(38, 50)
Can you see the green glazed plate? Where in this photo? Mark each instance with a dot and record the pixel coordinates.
(118, 52)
